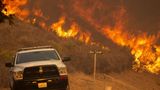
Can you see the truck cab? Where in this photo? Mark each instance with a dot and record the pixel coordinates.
(38, 68)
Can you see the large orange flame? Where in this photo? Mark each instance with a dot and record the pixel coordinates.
(73, 32)
(12, 7)
(143, 47)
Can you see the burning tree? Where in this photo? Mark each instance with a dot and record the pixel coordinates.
(2, 15)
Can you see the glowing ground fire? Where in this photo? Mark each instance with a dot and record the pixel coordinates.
(143, 47)
(12, 7)
(73, 32)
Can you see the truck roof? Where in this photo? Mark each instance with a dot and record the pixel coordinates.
(33, 49)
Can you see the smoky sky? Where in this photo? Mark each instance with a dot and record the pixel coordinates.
(142, 15)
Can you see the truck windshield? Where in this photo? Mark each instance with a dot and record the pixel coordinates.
(36, 56)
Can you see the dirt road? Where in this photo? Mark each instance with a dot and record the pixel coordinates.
(128, 80)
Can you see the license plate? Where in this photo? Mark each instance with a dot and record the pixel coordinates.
(42, 85)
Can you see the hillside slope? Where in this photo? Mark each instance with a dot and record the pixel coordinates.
(116, 63)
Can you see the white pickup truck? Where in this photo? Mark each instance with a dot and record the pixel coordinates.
(38, 68)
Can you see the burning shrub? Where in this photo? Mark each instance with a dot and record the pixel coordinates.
(2, 15)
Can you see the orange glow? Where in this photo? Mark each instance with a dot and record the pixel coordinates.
(13, 8)
(72, 32)
(143, 47)
(43, 25)
(38, 12)
(147, 56)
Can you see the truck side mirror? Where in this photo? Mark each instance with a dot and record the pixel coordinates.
(65, 59)
(9, 65)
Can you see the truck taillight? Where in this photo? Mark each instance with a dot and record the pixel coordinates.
(63, 77)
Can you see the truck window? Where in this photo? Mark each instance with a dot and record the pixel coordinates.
(36, 56)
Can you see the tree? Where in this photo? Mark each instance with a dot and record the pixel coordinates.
(3, 16)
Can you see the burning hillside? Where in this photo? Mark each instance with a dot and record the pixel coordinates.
(12, 7)
(73, 31)
(143, 47)
(106, 17)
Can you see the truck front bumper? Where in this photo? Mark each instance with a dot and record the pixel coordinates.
(45, 83)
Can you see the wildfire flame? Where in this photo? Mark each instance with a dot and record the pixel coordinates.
(73, 32)
(143, 47)
(12, 7)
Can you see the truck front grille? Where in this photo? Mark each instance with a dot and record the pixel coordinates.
(40, 72)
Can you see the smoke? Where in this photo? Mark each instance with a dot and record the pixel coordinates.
(141, 16)
(131, 24)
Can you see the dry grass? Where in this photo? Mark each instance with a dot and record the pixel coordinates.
(117, 60)
(127, 80)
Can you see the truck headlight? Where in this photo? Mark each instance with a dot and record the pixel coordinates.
(18, 75)
(62, 71)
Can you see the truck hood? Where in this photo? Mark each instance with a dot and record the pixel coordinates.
(21, 67)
